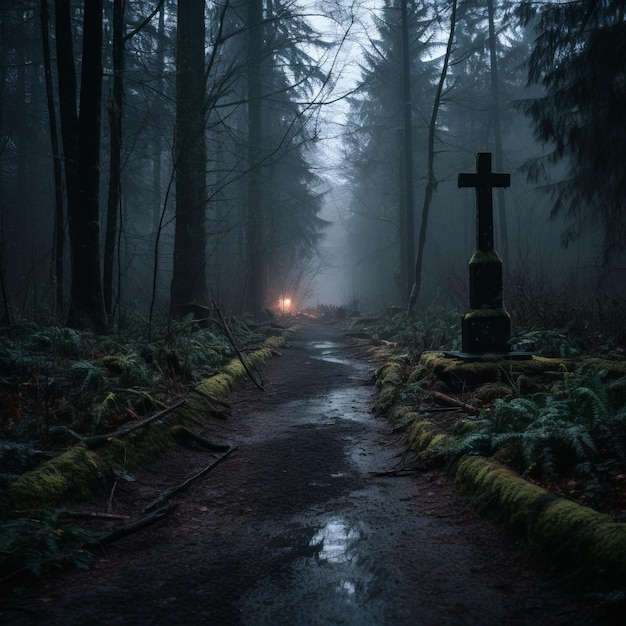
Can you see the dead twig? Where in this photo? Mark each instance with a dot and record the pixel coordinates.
(442, 398)
(401, 471)
(186, 483)
(185, 434)
(96, 442)
(236, 349)
(138, 524)
(94, 515)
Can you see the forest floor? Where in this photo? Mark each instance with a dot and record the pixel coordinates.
(302, 524)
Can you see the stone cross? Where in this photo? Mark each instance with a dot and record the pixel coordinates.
(484, 180)
(487, 326)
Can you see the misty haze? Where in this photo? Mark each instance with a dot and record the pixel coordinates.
(425, 195)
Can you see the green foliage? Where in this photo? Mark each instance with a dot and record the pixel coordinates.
(40, 542)
(579, 115)
(560, 430)
(58, 384)
(16, 458)
(549, 343)
(434, 328)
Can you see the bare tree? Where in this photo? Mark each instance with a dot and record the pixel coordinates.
(58, 237)
(431, 181)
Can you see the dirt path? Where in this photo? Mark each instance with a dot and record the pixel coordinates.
(293, 527)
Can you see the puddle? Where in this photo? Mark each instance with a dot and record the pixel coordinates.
(329, 351)
(335, 540)
(324, 345)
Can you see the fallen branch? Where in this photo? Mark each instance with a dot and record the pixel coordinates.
(401, 471)
(441, 409)
(184, 433)
(442, 398)
(94, 515)
(236, 349)
(186, 483)
(208, 396)
(138, 524)
(96, 442)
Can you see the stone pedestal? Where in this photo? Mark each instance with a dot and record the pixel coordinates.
(487, 326)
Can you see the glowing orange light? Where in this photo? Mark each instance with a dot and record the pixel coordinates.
(285, 304)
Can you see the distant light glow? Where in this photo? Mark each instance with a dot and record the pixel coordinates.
(284, 304)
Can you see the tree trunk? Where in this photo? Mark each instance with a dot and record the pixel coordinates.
(157, 162)
(87, 301)
(58, 238)
(431, 182)
(6, 317)
(189, 277)
(254, 217)
(497, 129)
(116, 105)
(409, 199)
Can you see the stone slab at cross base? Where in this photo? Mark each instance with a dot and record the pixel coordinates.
(487, 357)
(486, 330)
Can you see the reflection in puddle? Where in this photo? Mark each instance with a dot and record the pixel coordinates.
(334, 541)
(329, 350)
(324, 345)
(347, 587)
(345, 404)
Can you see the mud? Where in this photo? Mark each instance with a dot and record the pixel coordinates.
(297, 527)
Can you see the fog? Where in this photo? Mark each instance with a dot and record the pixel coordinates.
(296, 159)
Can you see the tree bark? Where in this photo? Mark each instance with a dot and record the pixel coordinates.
(189, 277)
(431, 182)
(58, 238)
(116, 105)
(497, 130)
(254, 216)
(81, 146)
(409, 196)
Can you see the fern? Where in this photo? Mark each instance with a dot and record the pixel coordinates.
(92, 375)
(549, 343)
(548, 432)
(16, 458)
(41, 541)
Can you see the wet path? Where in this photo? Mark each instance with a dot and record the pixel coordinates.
(294, 529)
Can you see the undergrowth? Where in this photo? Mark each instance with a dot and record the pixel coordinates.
(59, 385)
(578, 425)
(435, 328)
(40, 541)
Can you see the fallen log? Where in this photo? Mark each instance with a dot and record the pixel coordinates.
(187, 482)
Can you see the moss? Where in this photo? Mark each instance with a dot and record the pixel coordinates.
(435, 365)
(482, 256)
(391, 373)
(484, 313)
(389, 378)
(73, 472)
(491, 391)
(423, 436)
(79, 470)
(402, 413)
(574, 536)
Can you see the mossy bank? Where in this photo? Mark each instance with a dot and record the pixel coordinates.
(87, 467)
(588, 545)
